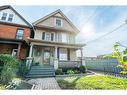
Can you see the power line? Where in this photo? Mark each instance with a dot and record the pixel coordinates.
(89, 18)
(106, 34)
(94, 14)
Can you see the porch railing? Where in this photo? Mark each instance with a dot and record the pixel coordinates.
(69, 64)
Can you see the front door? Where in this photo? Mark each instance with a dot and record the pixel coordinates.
(46, 57)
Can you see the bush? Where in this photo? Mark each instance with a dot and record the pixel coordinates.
(65, 84)
(82, 69)
(101, 82)
(70, 72)
(10, 68)
(23, 70)
(59, 72)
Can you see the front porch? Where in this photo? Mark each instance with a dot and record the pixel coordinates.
(54, 53)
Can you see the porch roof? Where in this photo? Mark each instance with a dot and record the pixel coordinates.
(57, 44)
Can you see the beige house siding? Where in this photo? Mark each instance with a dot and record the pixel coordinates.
(38, 34)
(70, 36)
(51, 23)
(73, 55)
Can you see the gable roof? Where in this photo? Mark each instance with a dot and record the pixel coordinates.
(53, 13)
(9, 7)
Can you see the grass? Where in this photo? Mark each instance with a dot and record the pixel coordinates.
(2, 87)
(93, 83)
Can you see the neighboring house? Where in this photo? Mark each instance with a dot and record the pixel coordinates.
(14, 33)
(54, 41)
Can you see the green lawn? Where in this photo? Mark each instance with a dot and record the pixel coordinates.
(93, 83)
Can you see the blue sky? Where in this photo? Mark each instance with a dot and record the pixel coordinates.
(92, 21)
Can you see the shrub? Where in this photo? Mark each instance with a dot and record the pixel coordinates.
(59, 72)
(65, 84)
(10, 68)
(82, 69)
(23, 70)
(70, 72)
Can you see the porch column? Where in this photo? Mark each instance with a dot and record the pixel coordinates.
(56, 59)
(82, 59)
(31, 50)
(29, 59)
(18, 52)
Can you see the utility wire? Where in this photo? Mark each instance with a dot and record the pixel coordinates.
(106, 34)
(94, 14)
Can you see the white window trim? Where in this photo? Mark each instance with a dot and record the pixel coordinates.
(7, 17)
(61, 22)
(50, 36)
(22, 35)
(13, 51)
(63, 54)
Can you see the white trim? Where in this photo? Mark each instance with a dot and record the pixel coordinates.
(14, 52)
(60, 20)
(50, 36)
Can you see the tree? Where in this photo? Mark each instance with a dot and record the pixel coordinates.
(121, 57)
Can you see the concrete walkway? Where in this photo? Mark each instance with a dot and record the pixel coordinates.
(44, 83)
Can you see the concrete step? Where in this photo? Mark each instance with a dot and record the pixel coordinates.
(42, 70)
(40, 73)
(39, 76)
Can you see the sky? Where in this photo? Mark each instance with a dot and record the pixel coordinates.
(92, 21)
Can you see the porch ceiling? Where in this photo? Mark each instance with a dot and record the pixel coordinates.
(55, 44)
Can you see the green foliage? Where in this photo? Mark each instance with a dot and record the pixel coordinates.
(2, 87)
(70, 71)
(10, 68)
(65, 84)
(82, 69)
(93, 83)
(59, 72)
(121, 56)
(101, 82)
(37, 63)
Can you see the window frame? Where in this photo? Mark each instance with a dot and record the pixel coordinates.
(4, 16)
(63, 54)
(22, 34)
(45, 35)
(10, 17)
(60, 20)
(13, 51)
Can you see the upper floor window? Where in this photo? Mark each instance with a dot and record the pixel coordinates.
(10, 18)
(47, 36)
(7, 17)
(58, 22)
(4, 16)
(19, 34)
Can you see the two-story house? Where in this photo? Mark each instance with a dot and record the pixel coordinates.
(14, 33)
(54, 40)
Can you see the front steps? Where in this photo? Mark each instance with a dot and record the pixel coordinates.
(41, 71)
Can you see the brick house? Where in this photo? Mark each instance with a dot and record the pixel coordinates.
(14, 33)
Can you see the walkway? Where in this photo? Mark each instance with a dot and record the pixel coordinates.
(44, 84)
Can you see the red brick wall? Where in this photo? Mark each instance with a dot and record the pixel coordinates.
(7, 49)
(7, 31)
